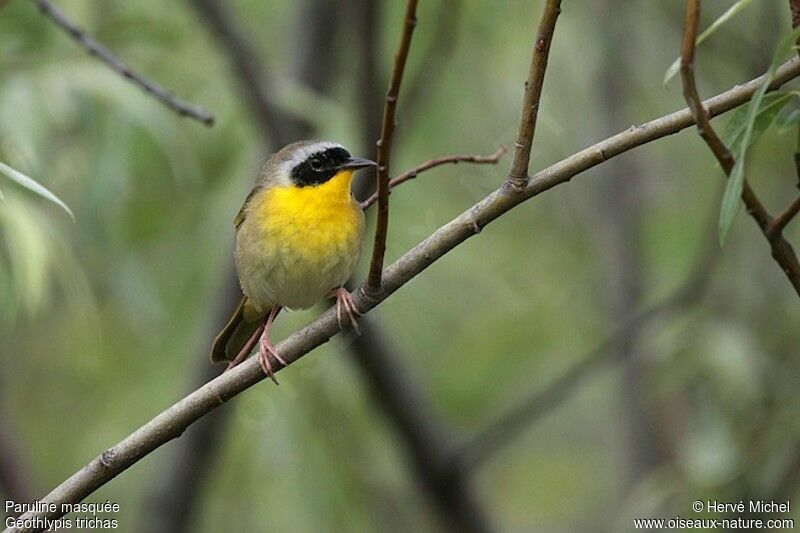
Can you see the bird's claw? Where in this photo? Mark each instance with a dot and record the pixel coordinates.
(263, 358)
(345, 301)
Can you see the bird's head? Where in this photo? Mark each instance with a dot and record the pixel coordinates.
(310, 163)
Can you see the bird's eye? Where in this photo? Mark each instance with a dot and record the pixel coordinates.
(316, 164)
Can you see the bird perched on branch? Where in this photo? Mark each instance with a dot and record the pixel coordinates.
(299, 236)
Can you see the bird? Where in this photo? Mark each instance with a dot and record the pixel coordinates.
(299, 237)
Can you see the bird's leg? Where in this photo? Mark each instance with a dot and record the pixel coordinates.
(268, 348)
(248, 347)
(345, 301)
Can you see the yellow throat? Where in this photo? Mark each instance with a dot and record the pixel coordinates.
(316, 220)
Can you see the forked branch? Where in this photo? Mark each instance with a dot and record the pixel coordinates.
(780, 221)
(782, 250)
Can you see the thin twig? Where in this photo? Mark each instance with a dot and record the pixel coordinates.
(432, 163)
(690, 93)
(116, 64)
(782, 250)
(385, 150)
(174, 420)
(518, 175)
(416, 90)
(780, 221)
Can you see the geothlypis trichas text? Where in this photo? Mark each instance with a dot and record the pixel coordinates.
(299, 236)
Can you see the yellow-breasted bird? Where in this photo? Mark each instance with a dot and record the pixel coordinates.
(299, 236)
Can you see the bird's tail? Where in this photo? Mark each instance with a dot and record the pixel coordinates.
(240, 327)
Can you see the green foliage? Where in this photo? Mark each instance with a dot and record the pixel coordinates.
(772, 105)
(34, 186)
(789, 115)
(757, 119)
(35, 263)
(27, 256)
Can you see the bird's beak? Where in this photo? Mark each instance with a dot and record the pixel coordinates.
(354, 163)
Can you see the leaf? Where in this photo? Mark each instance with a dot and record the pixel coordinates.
(788, 117)
(730, 200)
(34, 186)
(733, 189)
(733, 10)
(771, 105)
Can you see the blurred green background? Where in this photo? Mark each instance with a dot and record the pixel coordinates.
(106, 321)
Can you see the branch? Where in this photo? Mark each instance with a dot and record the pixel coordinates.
(690, 93)
(780, 221)
(116, 64)
(385, 150)
(279, 127)
(174, 420)
(432, 163)
(782, 251)
(518, 175)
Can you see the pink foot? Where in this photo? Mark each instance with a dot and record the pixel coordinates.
(345, 301)
(267, 348)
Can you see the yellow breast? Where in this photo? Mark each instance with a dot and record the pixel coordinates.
(298, 243)
(313, 220)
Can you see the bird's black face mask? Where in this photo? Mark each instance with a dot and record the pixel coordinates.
(320, 167)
